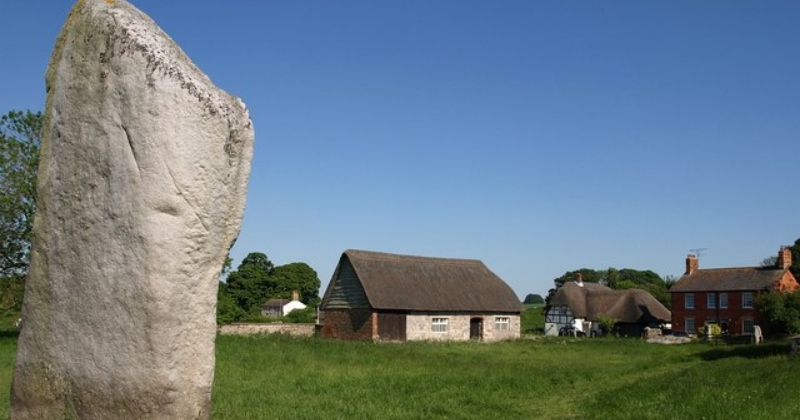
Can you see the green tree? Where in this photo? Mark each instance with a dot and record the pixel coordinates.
(795, 268)
(251, 284)
(20, 138)
(228, 309)
(257, 279)
(531, 299)
(780, 312)
(296, 276)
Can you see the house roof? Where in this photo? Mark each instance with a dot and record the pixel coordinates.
(404, 282)
(272, 303)
(725, 279)
(592, 300)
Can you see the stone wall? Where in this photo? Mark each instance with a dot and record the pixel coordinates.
(298, 330)
(419, 327)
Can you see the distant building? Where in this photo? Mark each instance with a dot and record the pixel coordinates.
(726, 296)
(577, 307)
(380, 296)
(276, 308)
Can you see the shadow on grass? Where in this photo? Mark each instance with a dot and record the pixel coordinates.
(9, 333)
(750, 351)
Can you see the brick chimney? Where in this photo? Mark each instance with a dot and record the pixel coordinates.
(579, 279)
(692, 264)
(295, 295)
(784, 258)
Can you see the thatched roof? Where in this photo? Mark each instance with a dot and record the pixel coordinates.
(729, 279)
(413, 283)
(592, 300)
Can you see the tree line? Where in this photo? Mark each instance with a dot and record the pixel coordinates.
(626, 278)
(257, 280)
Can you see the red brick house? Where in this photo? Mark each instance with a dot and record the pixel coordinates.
(380, 296)
(725, 296)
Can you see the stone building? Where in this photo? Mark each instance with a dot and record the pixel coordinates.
(380, 296)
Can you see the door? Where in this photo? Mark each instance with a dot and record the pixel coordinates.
(476, 329)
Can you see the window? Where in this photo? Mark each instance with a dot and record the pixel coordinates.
(747, 326)
(559, 315)
(723, 300)
(711, 300)
(439, 325)
(688, 301)
(747, 299)
(689, 328)
(501, 323)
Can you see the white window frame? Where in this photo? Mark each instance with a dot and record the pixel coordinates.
(688, 301)
(689, 326)
(502, 323)
(747, 300)
(711, 300)
(440, 325)
(723, 300)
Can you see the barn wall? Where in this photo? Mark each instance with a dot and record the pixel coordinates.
(352, 324)
(419, 327)
(490, 333)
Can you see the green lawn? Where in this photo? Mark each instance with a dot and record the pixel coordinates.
(277, 377)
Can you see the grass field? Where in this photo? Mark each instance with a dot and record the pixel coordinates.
(277, 377)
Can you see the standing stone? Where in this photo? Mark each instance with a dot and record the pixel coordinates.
(143, 176)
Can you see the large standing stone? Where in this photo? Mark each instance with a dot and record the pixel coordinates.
(142, 184)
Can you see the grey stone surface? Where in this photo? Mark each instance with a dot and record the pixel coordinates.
(143, 176)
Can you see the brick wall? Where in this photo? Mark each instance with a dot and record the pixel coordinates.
(352, 324)
(702, 313)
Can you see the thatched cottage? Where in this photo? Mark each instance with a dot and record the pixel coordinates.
(380, 296)
(577, 307)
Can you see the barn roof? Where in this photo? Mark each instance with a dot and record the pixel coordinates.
(729, 279)
(405, 282)
(592, 300)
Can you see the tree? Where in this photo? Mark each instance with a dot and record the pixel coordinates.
(296, 276)
(251, 283)
(20, 138)
(228, 310)
(531, 299)
(780, 312)
(257, 280)
(795, 268)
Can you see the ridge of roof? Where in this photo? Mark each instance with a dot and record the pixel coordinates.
(360, 253)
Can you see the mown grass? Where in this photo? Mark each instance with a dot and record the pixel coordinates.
(278, 377)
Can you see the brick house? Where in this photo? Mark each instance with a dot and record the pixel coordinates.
(380, 296)
(725, 296)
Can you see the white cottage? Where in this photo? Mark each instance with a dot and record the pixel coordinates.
(275, 308)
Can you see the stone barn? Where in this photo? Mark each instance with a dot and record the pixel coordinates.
(380, 296)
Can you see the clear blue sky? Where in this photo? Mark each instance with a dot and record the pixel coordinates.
(537, 136)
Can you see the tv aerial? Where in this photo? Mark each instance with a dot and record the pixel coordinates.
(698, 252)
